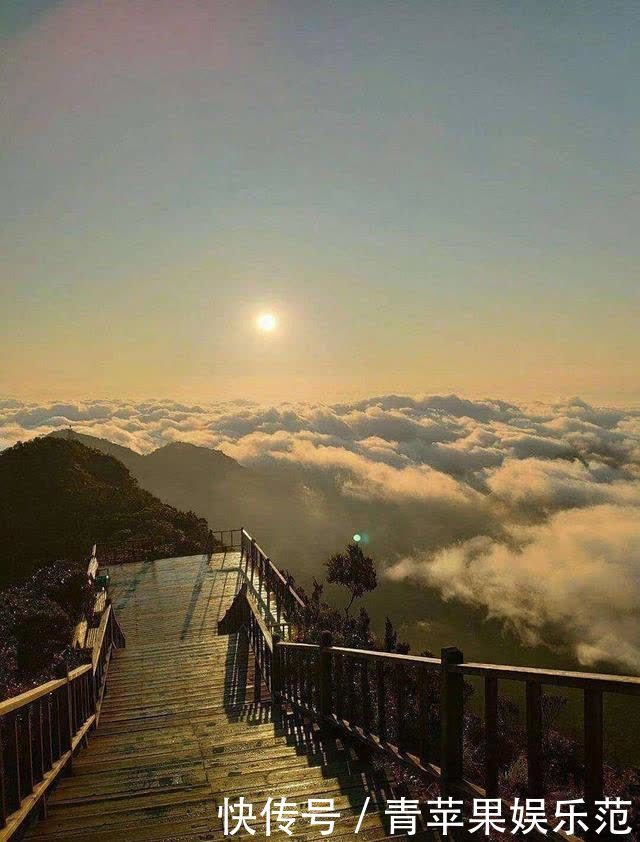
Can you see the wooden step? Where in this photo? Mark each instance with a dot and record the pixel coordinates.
(179, 730)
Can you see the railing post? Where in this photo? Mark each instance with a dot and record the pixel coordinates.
(3, 795)
(423, 715)
(366, 695)
(276, 678)
(244, 551)
(491, 735)
(13, 745)
(535, 768)
(94, 686)
(452, 719)
(38, 737)
(109, 629)
(66, 717)
(400, 690)
(260, 576)
(257, 682)
(593, 752)
(324, 666)
(267, 580)
(26, 734)
(382, 701)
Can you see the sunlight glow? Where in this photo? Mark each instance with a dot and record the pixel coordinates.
(266, 322)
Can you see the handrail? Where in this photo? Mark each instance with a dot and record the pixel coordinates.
(102, 630)
(281, 600)
(41, 728)
(627, 684)
(412, 707)
(262, 574)
(15, 702)
(244, 613)
(92, 568)
(257, 565)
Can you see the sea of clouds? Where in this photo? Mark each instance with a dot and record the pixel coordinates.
(530, 512)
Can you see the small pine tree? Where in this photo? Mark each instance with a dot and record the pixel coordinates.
(354, 570)
(391, 642)
(390, 636)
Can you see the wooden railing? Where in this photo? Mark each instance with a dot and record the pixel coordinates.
(229, 539)
(92, 567)
(41, 728)
(281, 600)
(412, 708)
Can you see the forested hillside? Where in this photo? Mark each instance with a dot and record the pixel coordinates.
(58, 497)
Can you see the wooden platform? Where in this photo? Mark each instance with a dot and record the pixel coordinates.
(179, 730)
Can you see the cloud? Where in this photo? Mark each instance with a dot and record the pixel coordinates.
(577, 573)
(529, 511)
(535, 486)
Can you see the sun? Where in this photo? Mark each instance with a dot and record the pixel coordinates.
(266, 322)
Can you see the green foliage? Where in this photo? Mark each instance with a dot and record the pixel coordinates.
(354, 570)
(391, 642)
(318, 616)
(59, 497)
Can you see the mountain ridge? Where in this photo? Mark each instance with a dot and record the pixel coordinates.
(58, 497)
(273, 503)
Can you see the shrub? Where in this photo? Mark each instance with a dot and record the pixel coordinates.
(37, 620)
(354, 570)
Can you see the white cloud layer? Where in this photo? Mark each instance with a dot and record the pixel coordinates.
(530, 511)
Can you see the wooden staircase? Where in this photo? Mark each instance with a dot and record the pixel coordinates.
(181, 729)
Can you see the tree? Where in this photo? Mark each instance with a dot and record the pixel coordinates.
(354, 570)
(390, 636)
(391, 642)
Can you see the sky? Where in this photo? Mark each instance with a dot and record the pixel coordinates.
(431, 197)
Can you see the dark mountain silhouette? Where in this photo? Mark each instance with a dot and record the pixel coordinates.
(216, 487)
(58, 497)
(187, 476)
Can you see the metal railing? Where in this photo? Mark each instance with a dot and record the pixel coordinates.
(41, 728)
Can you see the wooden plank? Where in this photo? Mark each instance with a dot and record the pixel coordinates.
(102, 630)
(26, 698)
(80, 634)
(78, 671)
(152, 706)
(177, 709)
(382, 701)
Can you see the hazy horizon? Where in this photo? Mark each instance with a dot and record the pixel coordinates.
(526, 514)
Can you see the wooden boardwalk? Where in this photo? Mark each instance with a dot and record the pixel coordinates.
(179, 729)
